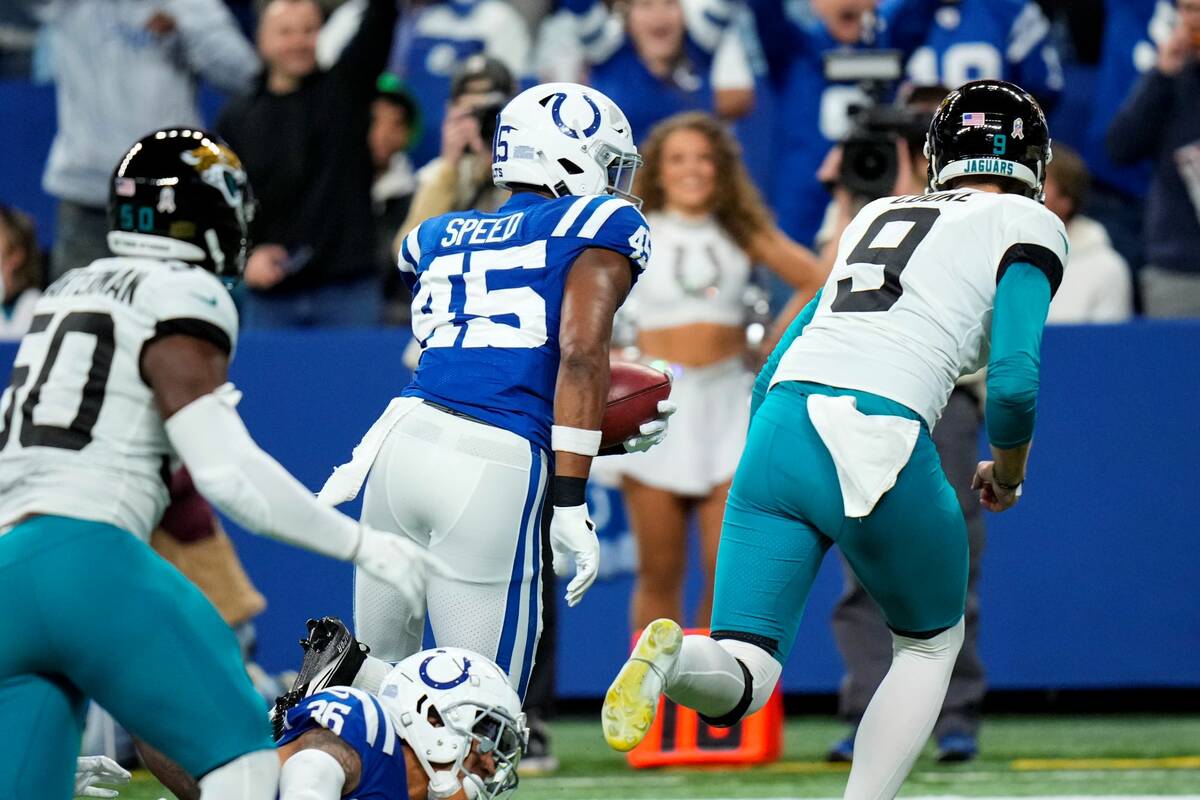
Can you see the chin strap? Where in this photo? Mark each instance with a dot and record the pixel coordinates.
(443, 784)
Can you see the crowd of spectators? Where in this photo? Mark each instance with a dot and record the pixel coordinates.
(358, 118)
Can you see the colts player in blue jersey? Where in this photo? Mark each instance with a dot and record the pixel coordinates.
(513, 311)
(445, 725)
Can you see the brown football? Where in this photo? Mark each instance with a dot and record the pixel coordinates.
(633, 394)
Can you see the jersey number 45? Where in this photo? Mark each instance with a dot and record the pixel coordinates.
(454, 307)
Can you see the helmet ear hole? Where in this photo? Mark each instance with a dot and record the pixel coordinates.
(570, 166)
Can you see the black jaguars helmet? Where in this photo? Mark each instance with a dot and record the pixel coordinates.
(181, 193)
(992, 128)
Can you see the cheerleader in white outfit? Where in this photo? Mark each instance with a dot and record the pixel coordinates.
(709, 226)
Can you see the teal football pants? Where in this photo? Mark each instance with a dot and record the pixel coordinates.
(785, 511)
(92, 612)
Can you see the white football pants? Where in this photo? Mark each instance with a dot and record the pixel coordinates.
(473, 494)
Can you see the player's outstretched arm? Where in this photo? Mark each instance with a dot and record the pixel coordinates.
(1022, 302)
(596, 287)
(188, 376)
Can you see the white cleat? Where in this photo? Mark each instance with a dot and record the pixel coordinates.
(632, 700)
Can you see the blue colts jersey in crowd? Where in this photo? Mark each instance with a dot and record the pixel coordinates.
(812, 113)
(487, 297)
(977, 39)
(358, 719)
(1132, 29)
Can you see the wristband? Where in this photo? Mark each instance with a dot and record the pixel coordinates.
(567, 492)
(1008, 487)
(574, 440)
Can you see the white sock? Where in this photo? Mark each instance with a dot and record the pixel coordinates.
(371, 674)
(254, 776)
(708, 678)
(901, 715)
(311, 775)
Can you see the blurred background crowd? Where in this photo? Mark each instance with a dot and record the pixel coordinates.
(765, 125)
(356, 119)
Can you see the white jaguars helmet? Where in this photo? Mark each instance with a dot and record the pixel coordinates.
(449, 701)
(568, 138)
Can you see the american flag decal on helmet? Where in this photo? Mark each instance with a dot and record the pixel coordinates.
(974, 119)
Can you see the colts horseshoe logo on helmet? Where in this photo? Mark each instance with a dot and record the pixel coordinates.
(556, 100)
(450, 684)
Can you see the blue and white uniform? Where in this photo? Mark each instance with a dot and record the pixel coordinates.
(1004, 39)
(359, 720)
(461, 458)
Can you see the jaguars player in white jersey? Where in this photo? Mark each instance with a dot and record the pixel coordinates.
(123, 368)
(925, 289)
(513, 311)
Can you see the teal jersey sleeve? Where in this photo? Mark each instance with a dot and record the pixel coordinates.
(763, 381)
(1022, 301)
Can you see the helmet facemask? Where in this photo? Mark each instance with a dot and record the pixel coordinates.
(475, 733)
(621, 168)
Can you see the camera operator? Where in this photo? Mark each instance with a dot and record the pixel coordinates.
(884, 156)
(460, 178)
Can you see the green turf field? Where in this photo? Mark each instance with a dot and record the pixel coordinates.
(1022, 756)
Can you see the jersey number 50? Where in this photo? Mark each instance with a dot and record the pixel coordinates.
(78, 434)
(455, 308)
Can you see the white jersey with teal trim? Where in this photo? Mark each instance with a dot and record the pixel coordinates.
(81, 434)
(907, 308)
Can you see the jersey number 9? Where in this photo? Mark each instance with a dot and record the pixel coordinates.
(892, 257)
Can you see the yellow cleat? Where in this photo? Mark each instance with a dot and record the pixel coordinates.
(632, 699)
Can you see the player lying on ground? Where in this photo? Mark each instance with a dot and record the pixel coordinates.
(123, 368)
(839, 449)
(513, 311)
(444, 725)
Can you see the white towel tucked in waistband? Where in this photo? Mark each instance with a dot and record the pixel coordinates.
(868, 451)
(345, 482)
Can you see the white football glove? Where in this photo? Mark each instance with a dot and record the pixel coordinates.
(399, 562)
(90, 770)
(573, 538)
(652, 432)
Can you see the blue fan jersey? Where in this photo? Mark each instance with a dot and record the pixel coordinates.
(794, 42)
(360, 721)
(976, 39)
(1130, 30)
(434, 38)
(648, 99)
(487, 296)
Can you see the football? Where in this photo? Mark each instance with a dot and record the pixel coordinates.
(633, 394)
